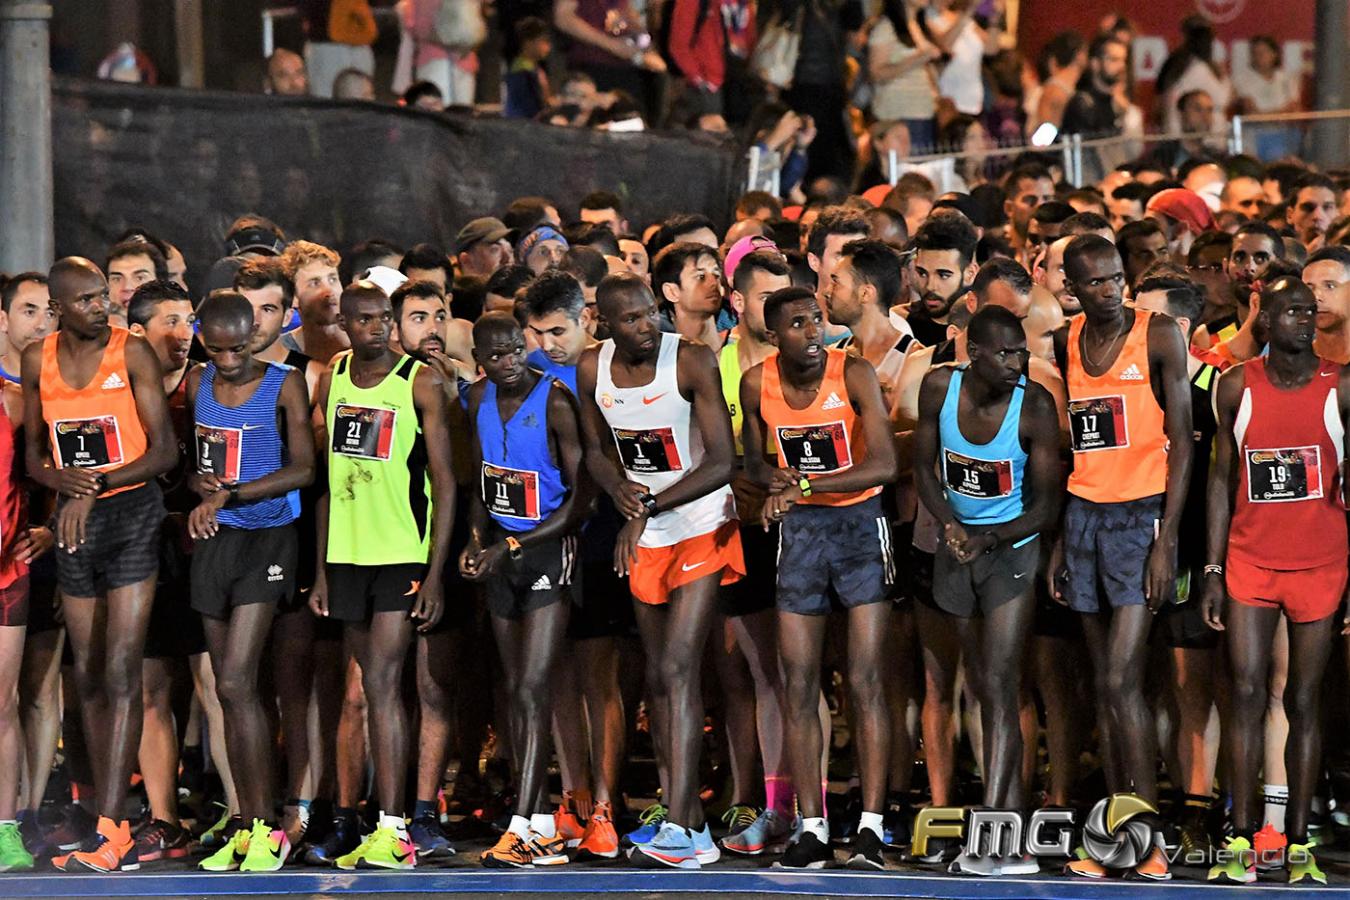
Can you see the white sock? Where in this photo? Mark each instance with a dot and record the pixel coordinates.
(9, 821)
(871, 821)
(818, 827)
(398, 823)
(1276, 797)
(520, 826)
(543, 824)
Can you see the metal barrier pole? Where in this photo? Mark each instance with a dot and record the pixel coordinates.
(1076, 141)
(1066, 151)
(753, 179)
(1235, 137)
(1330, 137)
(26, 235)
(269, 38)
(893, 173)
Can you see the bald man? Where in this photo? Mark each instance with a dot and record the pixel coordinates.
(286, 75)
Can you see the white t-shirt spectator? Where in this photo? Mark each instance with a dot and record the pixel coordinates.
(962, 79)
(1266, 95)
(907, 96)
(1199, 77)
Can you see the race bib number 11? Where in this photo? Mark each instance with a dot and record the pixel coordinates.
(511, 493)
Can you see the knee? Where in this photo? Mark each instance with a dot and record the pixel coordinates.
(865, 686)
(1121, 685)
(379, 681)
(235, 687)
(1246, 690)
(9, 704)
(675, 671)
(801, 688)
(122, 678)
(1300, 705)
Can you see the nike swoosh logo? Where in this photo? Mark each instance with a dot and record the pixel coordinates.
(416, 586)
(1019, 574)
(249, 427)
(1326, 374)
(648, 401)
(688, 568)
(400, 857)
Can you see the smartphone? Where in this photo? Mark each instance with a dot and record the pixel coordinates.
(1045, 135)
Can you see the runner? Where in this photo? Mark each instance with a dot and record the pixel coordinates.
(822, 412)
(1130, 420)
(687, 277)
(995, 439)
(389, 473)
(253, 452)
(101, 446)
(864, 284)
(1327, 275)
(659, 442)
(313, 270)
(944, 266)
(1280, 444)
(524, 427)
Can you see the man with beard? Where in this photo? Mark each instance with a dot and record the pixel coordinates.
(1327, 275)
(313, 270)
(1051, 276)
(1255, 245)
(1046, 226)
(1313, 208)
(944, 266)
(1026, 187)
(687, 278)
(1094, 110)
(864, 285)
(1205, 263)
(832, 229)
(1141, 244)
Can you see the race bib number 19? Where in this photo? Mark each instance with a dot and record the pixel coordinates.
(366, 432)
(648, 450)
(512, 493)
(1098, 423)
(1282, 475)
(88, 443)
(218, 452)
(815, 449)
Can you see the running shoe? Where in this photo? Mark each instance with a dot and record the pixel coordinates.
(807, 852)
(705, 848)
(546, 851)
(114, 852)
(1237, 863)
(1154, 867)
(1269, 846)
(895, 823)
(1085, 866)
(739, 817)
(769, 833)
(1193, 837)
(344, 837)
(1018, 864)
(1302, 865)
(600, 841)
(431, 842)
(268, 848)
(515, 852)
(672, 846)
(295, 821)
(566, 824)
(974, 864)
(651, 820)
(76, 828)
(33, 838)
(383, 848)
(220, 832)
(939, 851)
(867, 852)
(229, 857)
(158, 839)
(14, 857)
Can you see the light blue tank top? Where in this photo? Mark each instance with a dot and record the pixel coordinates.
(521, 486)
(983, 481)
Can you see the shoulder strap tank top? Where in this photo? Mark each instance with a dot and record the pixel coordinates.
(520, 482)
(984, 482)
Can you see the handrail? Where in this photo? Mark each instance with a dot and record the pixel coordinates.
(272, 13)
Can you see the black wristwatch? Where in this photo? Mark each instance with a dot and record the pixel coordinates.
(649, 504)
(102, 479)
(233, 491)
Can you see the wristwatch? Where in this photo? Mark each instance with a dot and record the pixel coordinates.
(102, 479)
(649, 504)
(233, 490)
(805, 486)
(514, 548)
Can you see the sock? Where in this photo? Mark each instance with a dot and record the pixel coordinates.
(872, 821)
(424, 808)
(818, 828)
(4, 822)
(1276, 797)
(519, 826)
(779, 795)
(824, 793)
(543, 824)
(398, 823)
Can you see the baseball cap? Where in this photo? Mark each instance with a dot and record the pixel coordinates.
(743, 248)
(1187, 207)
(486, 228)
(256, 239)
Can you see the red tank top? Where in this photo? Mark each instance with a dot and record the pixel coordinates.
(1288, 513)
(11, 505)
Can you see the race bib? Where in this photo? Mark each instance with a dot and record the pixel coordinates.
(512, 493)
(1098, 423)
(1283, 475)
(218, 452)
(646, 451)
(982, 479)
(366, 432)
(87, 443)
(815, 449)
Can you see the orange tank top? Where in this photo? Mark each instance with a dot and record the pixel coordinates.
(821, 439)
(96, 426)
(1116, 424)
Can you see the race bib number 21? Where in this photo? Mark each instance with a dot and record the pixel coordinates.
(366, 432)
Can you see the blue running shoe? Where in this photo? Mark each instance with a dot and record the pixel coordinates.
(425, 832)
(769, 833)
(704, 848)
(673, 846)
(652, 818)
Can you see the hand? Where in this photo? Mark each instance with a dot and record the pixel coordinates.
(33, 543)
(1057, 573)
(965, 546)
(628, 500)
(318, 595)
(443, 366)
(487, 559)
(625, 548)
(807, 133)
(784, 131)
(784, 479)
(202, 523)
(776, 507)
(430, 603)
(71, 520)
(1213, 596)
(469, 557)
(652, 62)
(75, 482)
(1160, 578)
(204, 484)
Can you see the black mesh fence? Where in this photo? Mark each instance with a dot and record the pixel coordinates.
(184, 164)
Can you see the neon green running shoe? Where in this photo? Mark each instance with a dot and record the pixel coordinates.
(229, 857)
(1238, 862)
(14, 856)
(212, 836)
(267, 849)
(1302, 865)
(384, 848)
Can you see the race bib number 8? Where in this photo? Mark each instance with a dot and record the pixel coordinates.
(218, 452)
(366, 432)
(1098, 423)
(1283, 475)
(982, 479)
(646, 451)
(88, 443)
(511, 493)
(815, 449)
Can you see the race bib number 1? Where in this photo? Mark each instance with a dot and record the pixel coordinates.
(88, 443)
(1283, 475)
(815, 449)
(1098, 423)
(648, 450)
(366, 432)
(511, 493)
(218, 452)
(982, 479)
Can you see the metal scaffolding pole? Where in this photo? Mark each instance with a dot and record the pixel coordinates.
(26, 235)
(1331, 137)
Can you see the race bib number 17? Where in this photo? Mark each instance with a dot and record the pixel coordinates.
(1098, 423)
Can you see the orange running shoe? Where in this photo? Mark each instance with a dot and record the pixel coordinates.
(1269, 845)
(115, 851)
(600, 841)
(1085, 867)
(1154, 867)
(566, 823)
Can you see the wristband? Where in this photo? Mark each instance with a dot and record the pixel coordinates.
(233, 491)
(514, 548)
(804, 486)
(649, 504)
(1213, 569)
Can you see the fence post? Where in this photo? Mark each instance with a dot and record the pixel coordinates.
(26, 234)
(1066, 151)
(1076, 143)
(1235, 137)
(893, 174)
(269, 37)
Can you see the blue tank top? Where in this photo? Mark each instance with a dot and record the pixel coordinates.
(983, 481)
(566, 374)
(521, 486)
(242, 444)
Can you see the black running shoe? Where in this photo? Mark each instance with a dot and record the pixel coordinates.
(867, 851)
(344, 837)
(807, 852)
